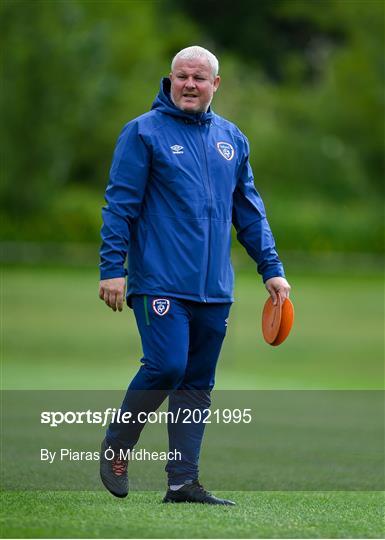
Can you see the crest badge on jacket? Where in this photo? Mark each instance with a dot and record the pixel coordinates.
(226, 150)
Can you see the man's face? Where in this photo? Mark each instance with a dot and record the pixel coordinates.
(193, 85)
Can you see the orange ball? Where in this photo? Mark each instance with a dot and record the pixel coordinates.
(277, 321)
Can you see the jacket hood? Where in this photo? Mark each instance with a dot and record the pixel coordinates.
(164, 104)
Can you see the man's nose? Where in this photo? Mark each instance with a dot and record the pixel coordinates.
(190, 83)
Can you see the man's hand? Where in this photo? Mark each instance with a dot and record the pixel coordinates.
(112, 292)
(278, 285)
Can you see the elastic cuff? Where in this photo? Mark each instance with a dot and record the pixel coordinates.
(110, 274)
(273, 273)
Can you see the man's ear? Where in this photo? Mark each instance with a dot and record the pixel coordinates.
(217, 82)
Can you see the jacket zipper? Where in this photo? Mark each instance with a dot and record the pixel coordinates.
(209, 191)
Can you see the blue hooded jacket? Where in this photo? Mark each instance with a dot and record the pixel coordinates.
(178, 182)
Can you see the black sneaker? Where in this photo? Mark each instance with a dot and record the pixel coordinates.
(194, 493)
(113, 472)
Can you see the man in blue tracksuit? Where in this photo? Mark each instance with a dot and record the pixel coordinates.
(180, 178)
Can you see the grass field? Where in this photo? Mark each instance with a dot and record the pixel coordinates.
(257, 515)
(58, 335)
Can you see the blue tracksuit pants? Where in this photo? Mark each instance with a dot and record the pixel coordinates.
(181, 342)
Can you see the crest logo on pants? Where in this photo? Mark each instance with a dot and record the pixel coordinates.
(161, 306)
(226, 150)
